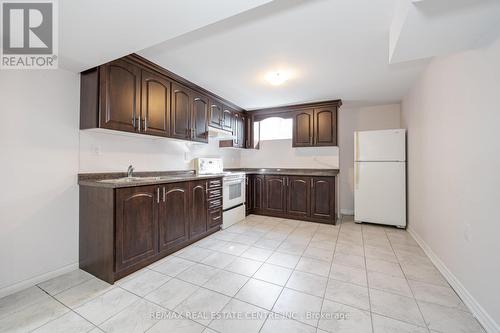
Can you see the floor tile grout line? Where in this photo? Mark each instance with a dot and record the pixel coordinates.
(411, 290)
(367, 279)
(329, 273)
(70, 310)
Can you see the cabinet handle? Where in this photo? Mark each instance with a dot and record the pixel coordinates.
(145, 123)
(164, 194)
(158, 195)
(311, 183)
(138, 122)
(206, 187)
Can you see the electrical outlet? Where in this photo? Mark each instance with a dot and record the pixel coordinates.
(96, 150)
(467, 231)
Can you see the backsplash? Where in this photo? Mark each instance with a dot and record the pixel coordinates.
(110, 152)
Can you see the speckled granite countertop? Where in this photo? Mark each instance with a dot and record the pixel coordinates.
(112, 179)
(287, 171)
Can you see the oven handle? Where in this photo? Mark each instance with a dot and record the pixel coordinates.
(233, 182)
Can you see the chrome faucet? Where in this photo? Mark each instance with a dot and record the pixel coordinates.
(130, 171)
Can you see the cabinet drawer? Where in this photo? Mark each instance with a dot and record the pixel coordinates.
(214, 193)
(212, 204)
(214, 183)
(214, 217)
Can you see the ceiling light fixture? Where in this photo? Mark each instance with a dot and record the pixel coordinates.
(277, 78)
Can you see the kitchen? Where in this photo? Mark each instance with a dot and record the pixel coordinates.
(256, 189)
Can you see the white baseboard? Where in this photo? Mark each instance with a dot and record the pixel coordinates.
(13, 288)
(477, 310)
(346, 211)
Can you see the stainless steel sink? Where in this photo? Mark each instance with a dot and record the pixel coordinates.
(139, 179)
(131, 179)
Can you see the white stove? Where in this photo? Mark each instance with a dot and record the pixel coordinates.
(233, 189)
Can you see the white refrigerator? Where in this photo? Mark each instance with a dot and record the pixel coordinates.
(380, 177)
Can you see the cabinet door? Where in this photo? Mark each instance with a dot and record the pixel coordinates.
(215, 110)
(303, 128)
(198, 208)
(241, 131)
(323, 198)
(227, 118)
(120, 83)
(180, 112)
(155, 110)
(236, 129)
(248, 194)
(173, 218)
(275, 195)
(136, 225)
(299, 195)
(258, 193)
(199, 118)
(325, 126)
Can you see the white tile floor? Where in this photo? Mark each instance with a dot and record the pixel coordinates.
(261, 275)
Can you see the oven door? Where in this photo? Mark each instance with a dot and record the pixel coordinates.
(233, 193)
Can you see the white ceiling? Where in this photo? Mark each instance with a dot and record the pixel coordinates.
(356, 50)
(92, 32)
(338, 48)
(428, 28)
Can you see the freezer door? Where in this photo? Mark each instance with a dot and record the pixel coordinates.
(380, 192)
(386, 145)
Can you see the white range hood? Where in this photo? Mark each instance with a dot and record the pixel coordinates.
(220, 134)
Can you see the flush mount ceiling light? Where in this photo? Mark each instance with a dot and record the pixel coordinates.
(277, 77)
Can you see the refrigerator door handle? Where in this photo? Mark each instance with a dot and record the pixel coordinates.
(356, 146)
(356, 176)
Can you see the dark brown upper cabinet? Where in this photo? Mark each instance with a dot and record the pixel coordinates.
(120, 92)
(298, 198)
(173, 221)
(227, 118)
(325, 126)
(303, 128)
(132, 94)
(215, 111)
(155, 109)
(180, 124)
(314, 124)
(136, 225)
(199, 117)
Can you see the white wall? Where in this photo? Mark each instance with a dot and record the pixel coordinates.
(280, 154)
(107, 151)
(358, 119)
(38, 166)
(453, 119)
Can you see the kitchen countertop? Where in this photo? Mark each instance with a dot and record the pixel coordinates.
(287, 171)
(105, 180)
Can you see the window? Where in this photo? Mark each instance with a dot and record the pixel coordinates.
(275, 128)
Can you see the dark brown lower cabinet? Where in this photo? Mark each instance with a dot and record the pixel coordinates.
(174, 215)
(197, 208)
(275, 194)
(248, 194)
(299, 196)
(296, 197)
(125, 229)
(257, 193)
(323, 198)
(136, 225)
